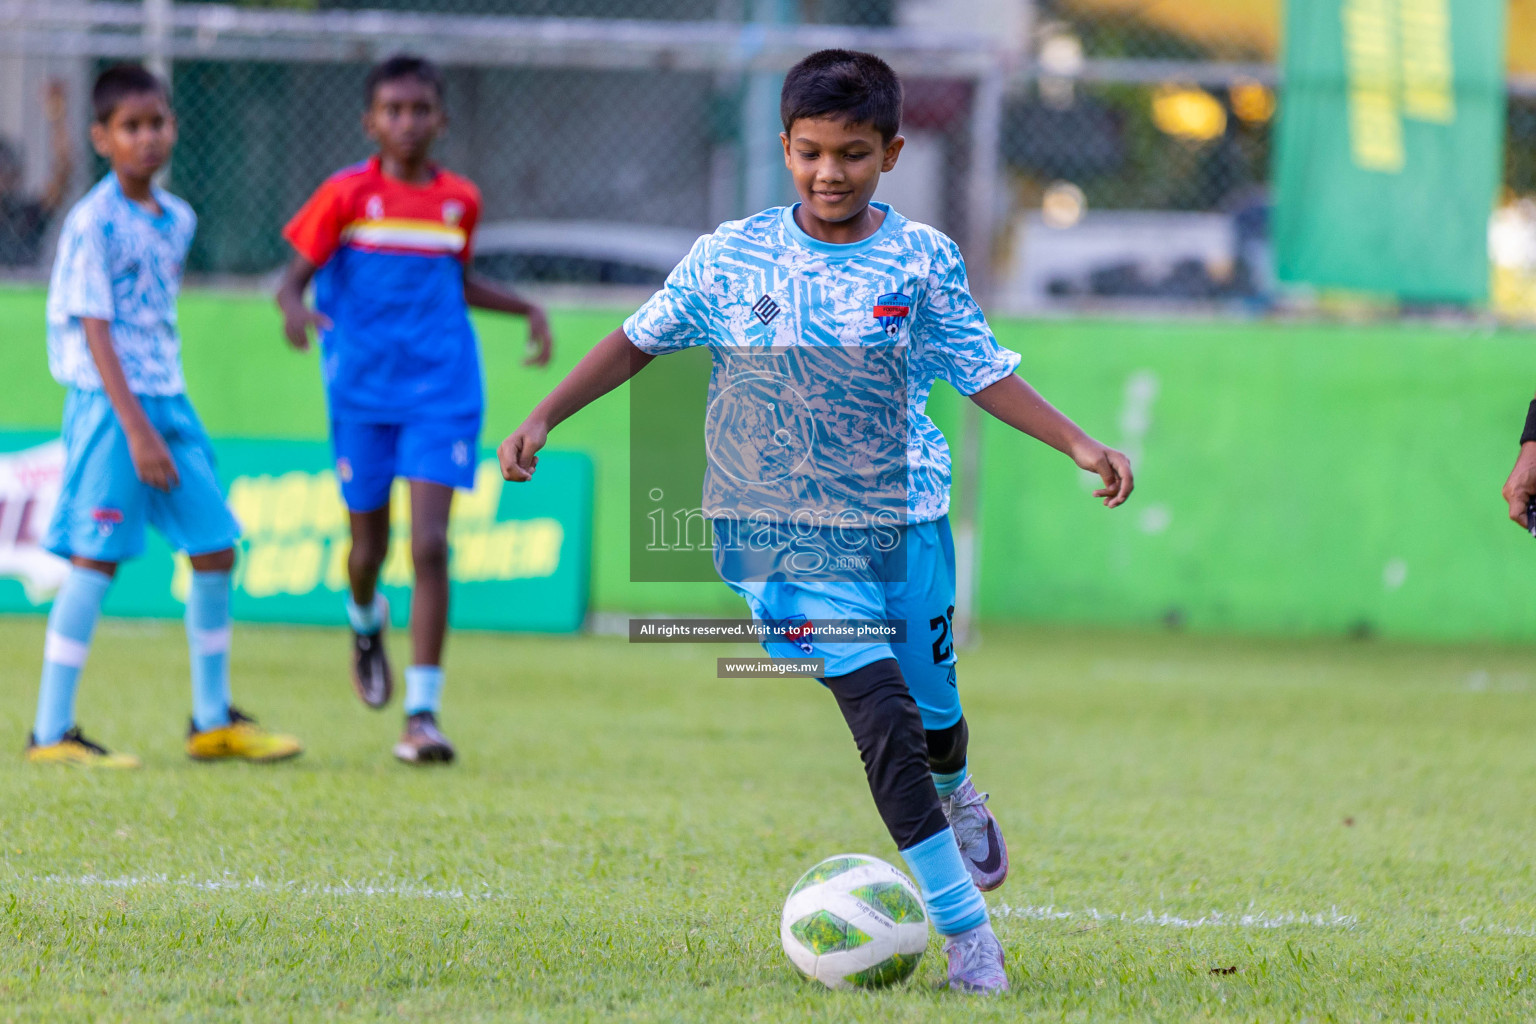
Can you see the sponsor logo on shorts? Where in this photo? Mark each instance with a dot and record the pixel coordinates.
(105, 519)
(799, 631)
(344, 470)
(461, 453)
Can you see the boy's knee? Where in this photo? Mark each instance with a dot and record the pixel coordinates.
(107, 569)
(368, 552)
(214, 561)
(429, 551)
(947, 747)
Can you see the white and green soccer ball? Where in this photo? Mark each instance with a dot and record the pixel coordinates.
(854, 922)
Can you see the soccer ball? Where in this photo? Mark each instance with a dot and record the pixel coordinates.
(854, 922)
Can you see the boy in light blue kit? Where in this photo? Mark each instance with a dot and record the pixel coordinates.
(872, 309)
(135, 452)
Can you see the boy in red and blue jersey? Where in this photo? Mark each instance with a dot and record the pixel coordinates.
(388, 243)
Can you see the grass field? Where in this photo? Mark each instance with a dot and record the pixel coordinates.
(1201, 830)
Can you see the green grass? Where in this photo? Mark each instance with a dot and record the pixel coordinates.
(618, 836)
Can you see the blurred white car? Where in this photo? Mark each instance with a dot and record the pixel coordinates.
(580, 251)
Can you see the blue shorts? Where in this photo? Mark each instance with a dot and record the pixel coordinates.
(370, 455)
(925, 600)
(103, 505)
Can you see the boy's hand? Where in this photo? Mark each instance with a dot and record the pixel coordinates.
(297, 324)
(540, 343)
(1113, 468)
(1521, 485)
(517, 452)
(152, 459)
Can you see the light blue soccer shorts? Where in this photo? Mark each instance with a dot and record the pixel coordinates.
(925, 600)
(104, 506)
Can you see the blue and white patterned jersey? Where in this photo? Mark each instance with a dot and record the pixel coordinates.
(120, 263)
(763, 283)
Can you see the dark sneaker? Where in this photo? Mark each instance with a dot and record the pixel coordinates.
(371, 676)
(423, 742)
(981, 842)
(976, 961)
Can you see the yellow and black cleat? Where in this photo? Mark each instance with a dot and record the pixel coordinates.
(76, 751)
(241, 739)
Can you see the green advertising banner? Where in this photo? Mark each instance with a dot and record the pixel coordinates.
(1388, 154)
(521, 555)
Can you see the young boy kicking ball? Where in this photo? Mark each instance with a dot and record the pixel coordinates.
(135, 451)
(388, 244)
(854, 277)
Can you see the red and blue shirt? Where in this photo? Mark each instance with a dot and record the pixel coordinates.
(391, 279)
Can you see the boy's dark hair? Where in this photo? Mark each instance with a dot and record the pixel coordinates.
(858, 88)
(403, 65)
(119, 82)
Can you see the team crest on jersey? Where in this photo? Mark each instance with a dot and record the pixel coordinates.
(375, 208)
(453, 212)
(891, 309)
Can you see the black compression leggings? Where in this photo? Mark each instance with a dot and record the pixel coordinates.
(889, 732)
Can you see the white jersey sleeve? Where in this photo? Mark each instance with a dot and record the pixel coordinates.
(950, 333)
(82, 277)
(680, 315)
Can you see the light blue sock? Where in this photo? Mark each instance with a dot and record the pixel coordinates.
(366, 620)
(423, 688)
(947, 783)
(208, 642)
(953, 901)
(70, 624)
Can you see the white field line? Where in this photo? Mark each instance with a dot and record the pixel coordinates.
(229, 883)
(1469, 926)
(411, 891)
(1214, 919)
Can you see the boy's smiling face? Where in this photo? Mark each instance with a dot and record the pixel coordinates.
(137, 139)
(405, 118)
(836, 166)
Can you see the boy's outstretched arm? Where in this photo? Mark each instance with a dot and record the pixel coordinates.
(1020, 406)
(483, 293)
(298, 318)
(151, 458)
(611, 362)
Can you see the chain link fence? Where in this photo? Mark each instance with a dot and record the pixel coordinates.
(605, 134)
